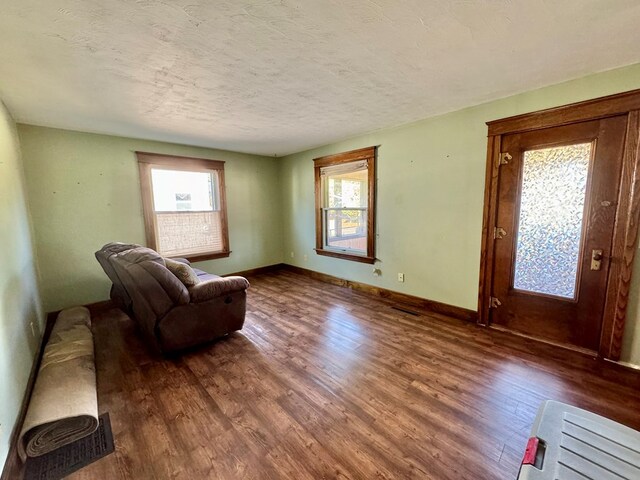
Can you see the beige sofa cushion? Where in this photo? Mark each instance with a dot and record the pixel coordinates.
(184, 272)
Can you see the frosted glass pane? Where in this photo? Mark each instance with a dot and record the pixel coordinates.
(554, 184)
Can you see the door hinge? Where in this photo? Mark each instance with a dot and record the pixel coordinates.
(494, 302)
(504, 158)
(499, 232)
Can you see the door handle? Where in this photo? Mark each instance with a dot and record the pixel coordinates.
(596, 259)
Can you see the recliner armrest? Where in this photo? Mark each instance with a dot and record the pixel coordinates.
(209, 289)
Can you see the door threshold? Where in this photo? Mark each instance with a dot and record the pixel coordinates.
(566, 346)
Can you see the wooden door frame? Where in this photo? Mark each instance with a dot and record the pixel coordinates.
(625, 235)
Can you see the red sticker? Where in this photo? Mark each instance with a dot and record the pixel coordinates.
(530, 452)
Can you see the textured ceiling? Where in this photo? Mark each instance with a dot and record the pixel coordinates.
(275, 77)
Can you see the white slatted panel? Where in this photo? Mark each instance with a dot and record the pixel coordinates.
(189, 233)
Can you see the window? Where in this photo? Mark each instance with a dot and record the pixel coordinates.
(345, 203)
(184, 206)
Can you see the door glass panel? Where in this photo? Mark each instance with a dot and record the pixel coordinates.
(554, 184)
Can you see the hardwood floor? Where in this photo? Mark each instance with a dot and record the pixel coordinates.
(324, 382)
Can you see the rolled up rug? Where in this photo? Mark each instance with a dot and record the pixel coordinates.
(64, 402)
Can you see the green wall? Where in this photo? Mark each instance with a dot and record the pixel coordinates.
(84, 191)
(430, 198)
(19, 299)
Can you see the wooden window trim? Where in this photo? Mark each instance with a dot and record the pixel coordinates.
(627, 221)
(369, 154)
(146, 161)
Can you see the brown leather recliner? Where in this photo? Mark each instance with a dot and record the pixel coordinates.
(118, 294)
(170, 316)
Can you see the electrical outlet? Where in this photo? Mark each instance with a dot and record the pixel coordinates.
(33, 329)
(293, 255)
(305, 257)
(401, 277)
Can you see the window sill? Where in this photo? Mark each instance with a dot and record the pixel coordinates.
(346, 256)
(204, 256)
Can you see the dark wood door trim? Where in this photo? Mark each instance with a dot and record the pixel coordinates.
(627, 209)
(625, 240)
(488, 219)
(609, 106)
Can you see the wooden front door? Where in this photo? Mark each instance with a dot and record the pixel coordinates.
(556, 209)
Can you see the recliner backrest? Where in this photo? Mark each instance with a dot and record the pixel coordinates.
(153, 289)
(119, 293)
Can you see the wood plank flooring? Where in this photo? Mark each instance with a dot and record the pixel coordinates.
(324, 382)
